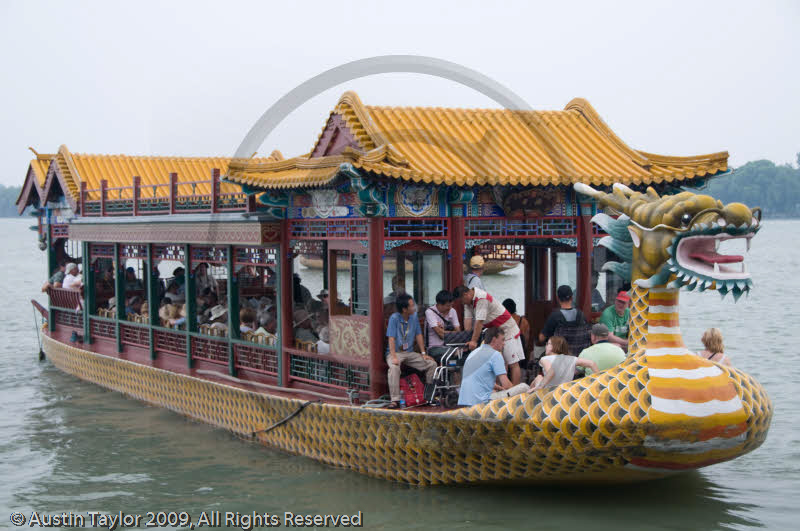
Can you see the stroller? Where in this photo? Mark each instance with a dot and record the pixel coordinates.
(451, 362)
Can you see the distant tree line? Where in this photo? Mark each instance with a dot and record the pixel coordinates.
(776, 189)
(8, 198)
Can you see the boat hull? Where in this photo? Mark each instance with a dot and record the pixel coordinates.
(560, 435)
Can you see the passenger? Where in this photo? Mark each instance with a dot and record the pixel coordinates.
(481, 308)
(179, 276)
(247, 320)
(219, 318)
(522, 323)
(473, 278)
(558, 365)
(616, 318)
(131, 282)
(134, 306)
(565, 314)
(484, 371)
(71, 279)
(302, 297)
(398, 288)
(173, 294)
(302, 327)
(602, 352)
(203, 279)
(56, 279)
(715, 349)
(324, 343)
(439, 319)
(598, 303)
(320, 311)
(403, 331)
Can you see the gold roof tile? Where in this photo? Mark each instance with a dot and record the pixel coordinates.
(465, 147)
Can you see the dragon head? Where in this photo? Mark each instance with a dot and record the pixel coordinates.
(674, 240)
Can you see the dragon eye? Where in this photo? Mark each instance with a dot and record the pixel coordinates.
(686, 219)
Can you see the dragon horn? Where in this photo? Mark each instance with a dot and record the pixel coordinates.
(652, 194)
(585, 189)
(624, 189)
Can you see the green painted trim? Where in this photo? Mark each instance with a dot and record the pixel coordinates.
(152, 296)
(88, 293)
(189, 298)
(51, 265)
(119, 294)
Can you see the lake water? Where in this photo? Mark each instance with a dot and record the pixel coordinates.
(66, 445)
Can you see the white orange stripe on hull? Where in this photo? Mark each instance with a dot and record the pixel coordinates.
(692, 409)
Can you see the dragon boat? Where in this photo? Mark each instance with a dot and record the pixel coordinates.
(556, 190)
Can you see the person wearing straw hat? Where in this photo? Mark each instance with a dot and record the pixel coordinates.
(473, 278)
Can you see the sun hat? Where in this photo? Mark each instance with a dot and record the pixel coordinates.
(218, 311)
(623, 296)
(476, 262)
(322, 293)
(70, 266)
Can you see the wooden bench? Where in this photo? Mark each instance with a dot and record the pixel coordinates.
(68, 299)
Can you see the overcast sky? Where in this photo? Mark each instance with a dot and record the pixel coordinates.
(190, 78)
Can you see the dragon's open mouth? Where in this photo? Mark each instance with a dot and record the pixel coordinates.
(697, 262)
(701, 254)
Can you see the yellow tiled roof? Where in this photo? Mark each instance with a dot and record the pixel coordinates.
(465, 147)
(118, 171)
(40, 166)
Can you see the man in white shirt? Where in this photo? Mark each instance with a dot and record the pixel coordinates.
(481, 310)
(440, 319)
(71, 278)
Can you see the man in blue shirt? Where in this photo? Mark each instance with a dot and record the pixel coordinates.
(484, 370)
(402, 332)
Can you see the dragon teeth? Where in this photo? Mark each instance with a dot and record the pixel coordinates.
(716, 245)
(716, 268)
(748, 243)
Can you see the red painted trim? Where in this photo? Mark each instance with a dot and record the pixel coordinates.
(103, 192)
(29, 184)
(214, 190)
(173, 191)
(377, 371)
(456, 253)
(584, 263)
(137, 181)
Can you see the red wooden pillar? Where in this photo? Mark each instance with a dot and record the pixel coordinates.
(585, 244)
(136, 192)
(529, 281)
(377, 364)
(103, 186)
(214, 190)
(173, 191)
(285, 306)
(251, 203)
(456, 251)
(544, 274)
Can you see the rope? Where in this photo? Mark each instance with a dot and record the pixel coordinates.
(38, 339)
(287, 419)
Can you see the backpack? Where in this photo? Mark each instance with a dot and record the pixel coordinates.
(577, 334)
(413, 390)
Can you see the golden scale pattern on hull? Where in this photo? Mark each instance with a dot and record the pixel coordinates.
(593, 429)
